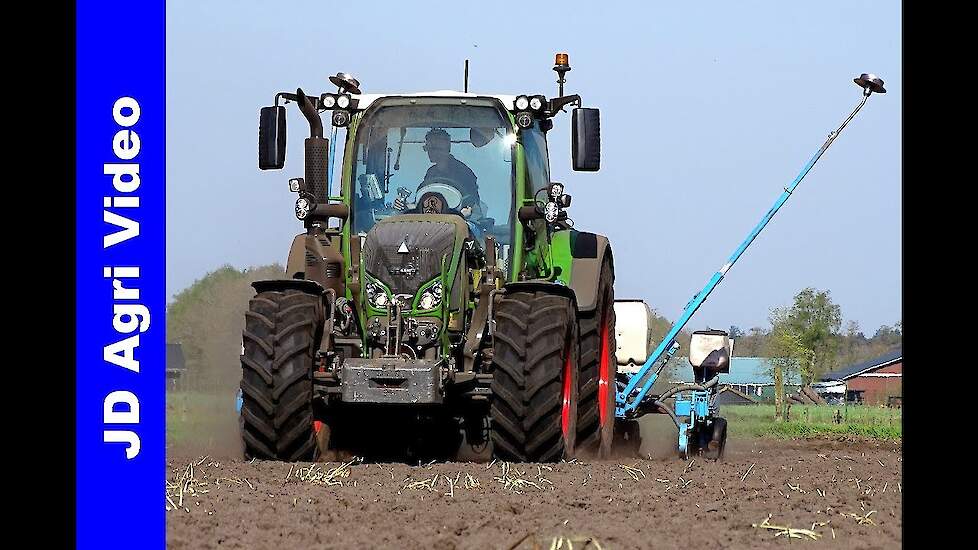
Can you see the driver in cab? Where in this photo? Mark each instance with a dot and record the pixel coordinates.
(447, 169)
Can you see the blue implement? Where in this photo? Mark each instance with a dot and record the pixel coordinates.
(629, 398)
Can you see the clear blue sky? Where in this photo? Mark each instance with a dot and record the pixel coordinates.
(708, 109)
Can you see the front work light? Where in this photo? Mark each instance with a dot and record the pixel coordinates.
(341, 118)
(551, 211)
(556, 190)
(522, 102)
(302, 207)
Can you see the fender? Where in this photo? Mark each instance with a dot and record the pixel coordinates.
(319, 259)
(305, 285)
(542, 286)
(579, 256)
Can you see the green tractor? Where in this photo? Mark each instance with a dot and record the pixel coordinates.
(439, 304)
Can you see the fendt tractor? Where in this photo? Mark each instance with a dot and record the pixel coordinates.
(440, 303)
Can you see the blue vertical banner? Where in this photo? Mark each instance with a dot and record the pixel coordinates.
(120, 300)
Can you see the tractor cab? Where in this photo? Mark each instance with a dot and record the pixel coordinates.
(436, 154)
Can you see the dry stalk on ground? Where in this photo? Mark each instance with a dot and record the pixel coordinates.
(783, 530)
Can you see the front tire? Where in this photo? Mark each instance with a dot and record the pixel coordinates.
(534, 386)
(276, 375)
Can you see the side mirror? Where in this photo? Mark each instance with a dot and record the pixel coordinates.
(586, 139)
(271, 138)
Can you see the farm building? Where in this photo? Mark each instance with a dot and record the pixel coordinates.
(749, 376)
(878, 381)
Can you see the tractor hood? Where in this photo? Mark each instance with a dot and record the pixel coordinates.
(404, 252)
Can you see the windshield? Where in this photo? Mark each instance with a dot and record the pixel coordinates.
(435, 155)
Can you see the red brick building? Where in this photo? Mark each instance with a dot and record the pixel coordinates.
(878, 381)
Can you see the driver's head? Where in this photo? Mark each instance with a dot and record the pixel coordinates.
(438, 145)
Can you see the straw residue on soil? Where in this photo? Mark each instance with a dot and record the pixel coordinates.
(843, 494)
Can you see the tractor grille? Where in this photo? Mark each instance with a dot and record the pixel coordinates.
(427, 242)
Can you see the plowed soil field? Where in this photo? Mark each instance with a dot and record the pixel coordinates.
(845, 493)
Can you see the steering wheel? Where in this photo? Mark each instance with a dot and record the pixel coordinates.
(433, 202)
(441, 195)
(446, 187)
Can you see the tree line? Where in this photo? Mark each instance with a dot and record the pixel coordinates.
(807, 337)
(804, 340)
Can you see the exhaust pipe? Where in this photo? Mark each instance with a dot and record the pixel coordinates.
(317, 151)
(309, 111)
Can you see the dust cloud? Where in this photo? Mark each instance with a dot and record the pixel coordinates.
(206, 319)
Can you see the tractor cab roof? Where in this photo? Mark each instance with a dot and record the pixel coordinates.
(365, 100)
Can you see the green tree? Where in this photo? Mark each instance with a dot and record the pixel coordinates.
(852, 342)
(752, 343)
(816, 321)
(207, 318)
(890, 336)
(787, 356)
(658, 328)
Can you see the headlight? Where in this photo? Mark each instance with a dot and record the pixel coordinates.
(329, 101)
(524, 119)
(536, 102)
(522, 102)
(431, 297)
(343, 101)
(376, 294)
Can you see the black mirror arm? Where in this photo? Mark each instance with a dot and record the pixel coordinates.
(557, 104)
(309, 108)
(287, 96)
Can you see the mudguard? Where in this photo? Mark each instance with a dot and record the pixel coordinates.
(542, 286)
(305, 285)
(578, 256)
(317, 259)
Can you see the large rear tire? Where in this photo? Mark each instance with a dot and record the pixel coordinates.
(276, 375)
(534, 386)
(599, 368)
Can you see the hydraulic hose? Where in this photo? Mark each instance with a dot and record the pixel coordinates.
(664, 408)
(684, 387)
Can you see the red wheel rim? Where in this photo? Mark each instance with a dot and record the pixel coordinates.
(565, 405)
(604, 371)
